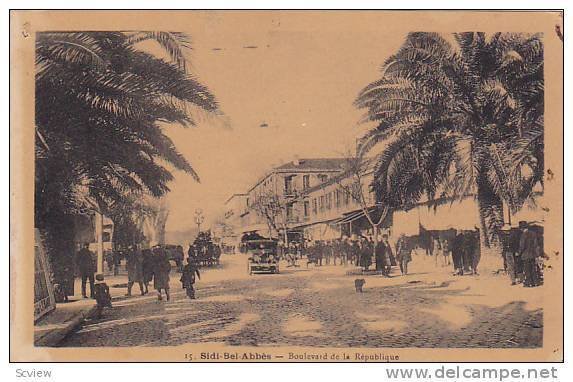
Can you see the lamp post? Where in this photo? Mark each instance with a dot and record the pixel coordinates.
(199, 218)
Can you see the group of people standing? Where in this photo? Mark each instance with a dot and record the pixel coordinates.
(205, 254)
(360, 251)
(466, 251)
(143, 266)
(452, 246)
(523, 254)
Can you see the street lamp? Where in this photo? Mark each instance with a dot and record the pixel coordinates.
(199, 218)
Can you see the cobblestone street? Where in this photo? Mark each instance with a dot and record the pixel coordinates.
(319, 307)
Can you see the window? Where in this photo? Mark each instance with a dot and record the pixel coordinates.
(306, 207)
(321, 203)
(314, 206)
(356, 191)
(329, 200)
(337, 198)
(306, 181)
(288, 185)
(322, 178)
(289, 211)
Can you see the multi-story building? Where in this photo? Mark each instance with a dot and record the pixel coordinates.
(332, 209)
(287, 182)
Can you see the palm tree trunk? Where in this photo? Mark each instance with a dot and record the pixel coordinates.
(56, 227)
(375, 231)
(58, 236)
(491, 217)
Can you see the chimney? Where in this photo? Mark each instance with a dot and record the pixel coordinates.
(296, 160)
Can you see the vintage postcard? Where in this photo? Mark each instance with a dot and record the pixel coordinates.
(286, 186)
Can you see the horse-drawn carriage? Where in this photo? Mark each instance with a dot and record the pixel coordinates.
(208, 255)
(205, 252)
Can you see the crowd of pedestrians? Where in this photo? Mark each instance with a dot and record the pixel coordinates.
(359, 251)
(522, 254)
(459, 249)
(143, 266)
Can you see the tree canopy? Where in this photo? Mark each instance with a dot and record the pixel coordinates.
(102, 104)
(456, 116)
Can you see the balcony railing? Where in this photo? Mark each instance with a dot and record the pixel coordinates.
(290, 191)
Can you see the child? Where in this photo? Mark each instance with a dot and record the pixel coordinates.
(188, 277)
(101, 294)
(59, 293)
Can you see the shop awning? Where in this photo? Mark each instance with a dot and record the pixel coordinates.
(255, 228)
(350, 217)
(355, 215)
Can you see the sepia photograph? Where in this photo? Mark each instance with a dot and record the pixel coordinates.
(286, 186)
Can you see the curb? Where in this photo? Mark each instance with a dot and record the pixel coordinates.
(54, 337)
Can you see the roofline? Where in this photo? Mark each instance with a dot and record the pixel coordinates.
(331, 181)
(260, 180)
(286, 170)
(233, 195)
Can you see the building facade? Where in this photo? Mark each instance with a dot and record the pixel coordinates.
(284, 185)
(229, 229)
(338, 208)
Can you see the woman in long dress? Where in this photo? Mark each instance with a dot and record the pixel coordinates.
(135, 270)
(148, 268)
(161, 273)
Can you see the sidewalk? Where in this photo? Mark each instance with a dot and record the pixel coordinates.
(51, 329)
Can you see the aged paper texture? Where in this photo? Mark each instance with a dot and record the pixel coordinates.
(286, 186)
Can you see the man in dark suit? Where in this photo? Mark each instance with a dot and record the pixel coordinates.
(87, 268)
(529, 250)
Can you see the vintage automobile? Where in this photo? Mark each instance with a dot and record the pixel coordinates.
(263, 256)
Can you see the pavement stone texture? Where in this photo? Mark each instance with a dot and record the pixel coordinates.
(319, 307)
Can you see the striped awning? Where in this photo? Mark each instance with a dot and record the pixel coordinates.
(350, 217)
(354, 215)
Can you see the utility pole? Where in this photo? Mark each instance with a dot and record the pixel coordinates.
(199, 218)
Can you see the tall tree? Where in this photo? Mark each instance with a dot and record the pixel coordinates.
(459, 115)
(102, 102)
(273, 209)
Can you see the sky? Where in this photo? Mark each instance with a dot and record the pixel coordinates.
(296, 73)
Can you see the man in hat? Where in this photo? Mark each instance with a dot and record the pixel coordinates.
(508, 254)
(403, 253)
(458, 253)
(188, 277)
(344, 250)
(87, 267)
(529, 250)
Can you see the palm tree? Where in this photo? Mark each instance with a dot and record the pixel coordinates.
(102, 102)
(459, 115)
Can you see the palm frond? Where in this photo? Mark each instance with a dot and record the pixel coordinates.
(172, 42)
